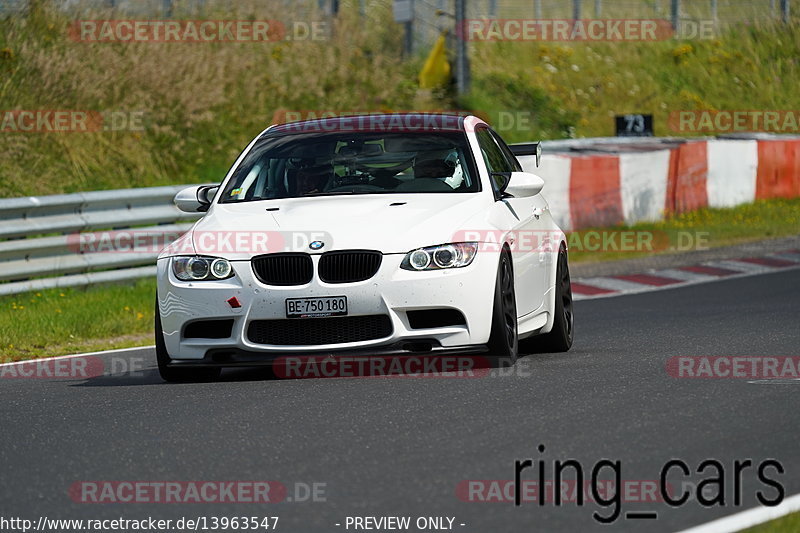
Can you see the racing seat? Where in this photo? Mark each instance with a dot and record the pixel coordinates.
(385, 179)
(428, 175)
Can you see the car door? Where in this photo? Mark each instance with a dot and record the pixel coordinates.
(526, 224)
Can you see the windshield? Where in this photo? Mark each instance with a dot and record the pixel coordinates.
(300, 165)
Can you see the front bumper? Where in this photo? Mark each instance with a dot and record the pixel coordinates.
(228, 357)
(392, 292)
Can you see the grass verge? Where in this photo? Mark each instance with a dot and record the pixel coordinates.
(575, 89)
(55, 322)
(709, 227)
(62, 321)
(787, 524)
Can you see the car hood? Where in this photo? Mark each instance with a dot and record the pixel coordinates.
(388, 223)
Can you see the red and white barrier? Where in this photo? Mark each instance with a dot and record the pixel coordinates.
(635, 185)
(778, 174)
(731, 172)
(644, 177)
(686, 188)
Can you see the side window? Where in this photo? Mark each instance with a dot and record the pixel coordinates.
(495, 160)
(492, 154)
(509, 155)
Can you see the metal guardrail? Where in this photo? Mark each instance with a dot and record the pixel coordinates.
(41, 237)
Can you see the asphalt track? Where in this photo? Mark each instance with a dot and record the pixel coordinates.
(401, 446)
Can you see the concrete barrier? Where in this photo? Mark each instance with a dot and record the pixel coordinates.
(609, 181)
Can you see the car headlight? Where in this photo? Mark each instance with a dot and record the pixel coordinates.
(440, 257)
(199, 268)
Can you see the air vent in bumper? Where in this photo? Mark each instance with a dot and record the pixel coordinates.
(315, 331)
(208, 329)
(435, 318)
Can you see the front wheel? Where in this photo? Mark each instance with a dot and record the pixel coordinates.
(172, 374)
(559, 339)
(503, 340)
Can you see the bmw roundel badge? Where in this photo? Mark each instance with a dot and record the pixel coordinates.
(316, 245)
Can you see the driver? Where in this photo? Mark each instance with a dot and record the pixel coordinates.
(311, 180)
(444, 166)
(457, 178)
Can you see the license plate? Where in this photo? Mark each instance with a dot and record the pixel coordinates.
(316, 307)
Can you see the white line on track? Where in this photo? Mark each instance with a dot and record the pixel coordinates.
(749, 518)
(613, 284)
(104, 352)
(775, 381)
(654, 288)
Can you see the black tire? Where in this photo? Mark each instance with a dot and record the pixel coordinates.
(504, 340)
(559, 339)
(177, 375)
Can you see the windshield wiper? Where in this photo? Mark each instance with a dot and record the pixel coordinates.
(341, 193)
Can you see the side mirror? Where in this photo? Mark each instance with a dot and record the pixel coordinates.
(196, 199)
(522, 185)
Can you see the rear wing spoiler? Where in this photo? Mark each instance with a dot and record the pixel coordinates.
(528, 149)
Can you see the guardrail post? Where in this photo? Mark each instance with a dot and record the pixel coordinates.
(462, 60)
(329, 7)
(785, 11)
(408, 38)
(675, 11)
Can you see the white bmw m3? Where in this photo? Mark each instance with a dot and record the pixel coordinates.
(382, 234)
